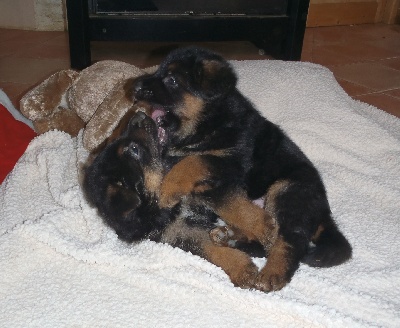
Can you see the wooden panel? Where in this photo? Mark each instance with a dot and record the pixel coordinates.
(328, 14)
(392, 10)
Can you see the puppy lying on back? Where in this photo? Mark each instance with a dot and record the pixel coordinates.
(224, 154)
(123, 183)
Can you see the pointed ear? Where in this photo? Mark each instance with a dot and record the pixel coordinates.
(214, 78)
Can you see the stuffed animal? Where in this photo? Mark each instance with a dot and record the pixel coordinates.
(93, 99)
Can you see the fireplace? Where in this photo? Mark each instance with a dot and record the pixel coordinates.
(191, 7)
(275, 26)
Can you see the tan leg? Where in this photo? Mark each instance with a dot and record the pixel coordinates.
(254, 222)
(187, 176)
(236, 264)
(274, 275)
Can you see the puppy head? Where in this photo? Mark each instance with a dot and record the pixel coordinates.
(123, 177)
(201, 72)
(186, 81)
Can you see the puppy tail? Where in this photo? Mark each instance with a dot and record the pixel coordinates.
(331, 248)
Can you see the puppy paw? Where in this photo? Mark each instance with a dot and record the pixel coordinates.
(246, 277)
(223, 236)
(270, 280)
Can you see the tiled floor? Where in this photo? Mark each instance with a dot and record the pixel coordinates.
(365, 58)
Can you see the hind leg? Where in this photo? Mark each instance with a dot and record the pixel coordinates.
(247, 220)
(283, 257)
(283, 260)
(197, 176)
(236, 264)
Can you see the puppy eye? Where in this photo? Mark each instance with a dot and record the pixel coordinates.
(132, 150)
(170, 80)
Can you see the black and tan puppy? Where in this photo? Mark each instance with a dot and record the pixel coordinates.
(123, 180)
(225, 155)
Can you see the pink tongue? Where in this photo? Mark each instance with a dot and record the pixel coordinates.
(156, 114)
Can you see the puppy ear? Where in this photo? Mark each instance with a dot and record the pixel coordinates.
(215, 78)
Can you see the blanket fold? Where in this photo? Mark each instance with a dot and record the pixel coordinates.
(62, 267)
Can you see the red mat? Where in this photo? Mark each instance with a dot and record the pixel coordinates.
(14, 138)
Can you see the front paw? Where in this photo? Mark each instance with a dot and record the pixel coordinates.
(269, 279)
(223, 236)
(246, 277)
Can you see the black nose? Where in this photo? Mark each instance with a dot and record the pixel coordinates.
(138, 86)
(138, 118)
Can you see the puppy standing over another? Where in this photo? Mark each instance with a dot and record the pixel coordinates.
(223, 154)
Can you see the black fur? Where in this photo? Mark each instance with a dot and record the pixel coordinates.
(260, 154)
(115, 184)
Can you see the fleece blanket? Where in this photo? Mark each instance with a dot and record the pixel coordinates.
(62, 267)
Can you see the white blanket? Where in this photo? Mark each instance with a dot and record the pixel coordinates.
(62, 267)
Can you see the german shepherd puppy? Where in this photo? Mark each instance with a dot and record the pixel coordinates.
(123, 181)
(222, 153)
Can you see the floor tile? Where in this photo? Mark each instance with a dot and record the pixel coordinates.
(36, 36)
(370, 75)
(15, 91)
(60, 40)
(322, 56)
(8, 48)
(353, 89)
(394, 93)
(44, 51)
(392, 62)
(362, 51)
(29, 70)
(8, 34)
(382, 101)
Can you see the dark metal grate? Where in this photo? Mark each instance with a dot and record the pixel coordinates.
(189, 7)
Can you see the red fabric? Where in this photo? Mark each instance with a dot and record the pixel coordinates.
(14, 138)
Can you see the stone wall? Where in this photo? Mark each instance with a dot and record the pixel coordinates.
(44, 15)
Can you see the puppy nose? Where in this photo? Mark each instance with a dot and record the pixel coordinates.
(138, 118)
(138, 86)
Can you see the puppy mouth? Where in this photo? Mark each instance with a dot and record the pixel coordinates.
(157, 115)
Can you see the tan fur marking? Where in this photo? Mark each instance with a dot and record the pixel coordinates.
(179, 229)
(190, 110)
(275, 190)
(320, 229)
(241, 213)
(236, 264)
(273, 275)
(213, 152)
(172, 67)
(111, 190)
(211, 66)
(152, 180)
(182, 180)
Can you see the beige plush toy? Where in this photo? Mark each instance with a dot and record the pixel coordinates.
(94, 99)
